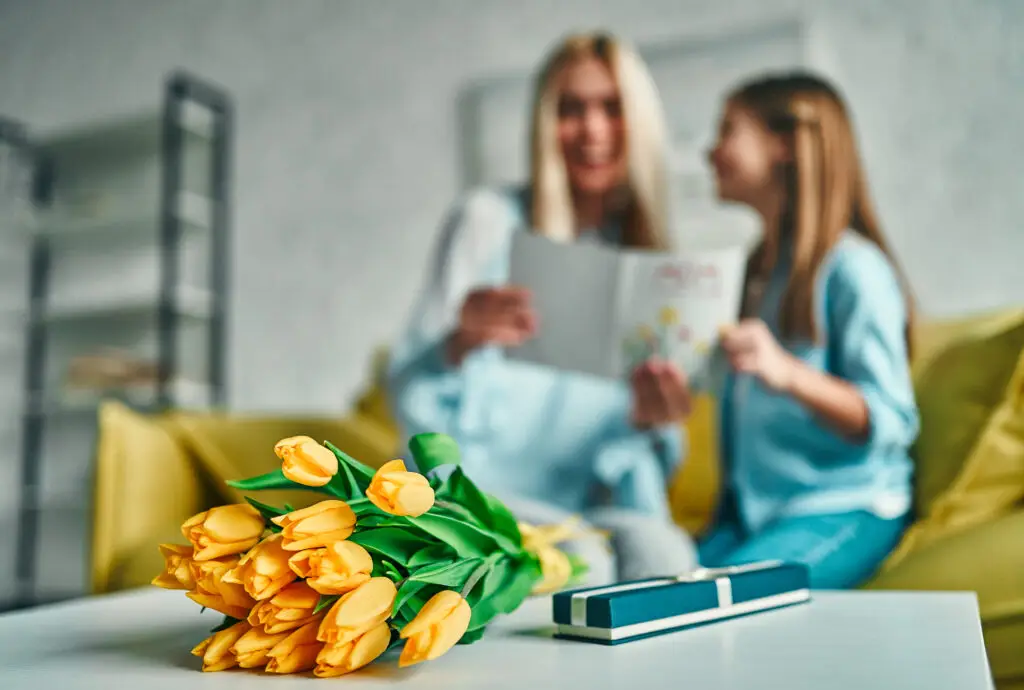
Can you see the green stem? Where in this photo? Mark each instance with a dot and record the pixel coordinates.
(479, 574)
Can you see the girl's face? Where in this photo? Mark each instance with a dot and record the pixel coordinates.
(590, 128)
(746, 158)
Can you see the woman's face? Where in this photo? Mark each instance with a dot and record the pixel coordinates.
(746, 157)
(590, 127)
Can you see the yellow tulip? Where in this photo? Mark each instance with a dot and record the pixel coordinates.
(357, 611)
(668, 316)
(336, 569)
(289, 609)
(177, 572)
(555, 570)
(396, 491)
(216, 649)
(223, 531)
(338, 659)
(297, 652)
(214, 593)
(253, 648)
(264, 570)
(436, 628)
(318, 525)
(305, 461)
(536, 536)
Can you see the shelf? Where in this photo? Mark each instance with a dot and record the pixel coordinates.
(184, 394)
(194, 211)
(191, 303)
(126, 135)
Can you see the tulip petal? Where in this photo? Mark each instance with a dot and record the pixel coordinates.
(370, 646)
(450, 631)
(414, 499)
(437, 608)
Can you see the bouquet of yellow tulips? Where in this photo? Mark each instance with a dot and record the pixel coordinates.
(389, 558)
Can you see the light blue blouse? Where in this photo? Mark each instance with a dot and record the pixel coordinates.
(526, 430)
(782, 459)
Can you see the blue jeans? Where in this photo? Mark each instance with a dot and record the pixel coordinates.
(841, 550)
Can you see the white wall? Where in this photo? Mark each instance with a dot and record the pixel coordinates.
(347, 154)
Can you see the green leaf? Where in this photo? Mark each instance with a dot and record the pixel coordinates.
(267, 482)
(472, 636)
(526, 574)
(225, 624)
(397, 543)
(506, 586)
(363, 507)
(371, 520)
(458, 489)
(431, 554)
(481, 599)
(488, 510)
(503, 521)
(267, 511)
(434, 450)
(414, 603)
(385, 567)
(360, 472)
(447, 506)
(344, 485)
(579, 566)
(467, 540)
(449, 575)
(408, 590)
(325, 601)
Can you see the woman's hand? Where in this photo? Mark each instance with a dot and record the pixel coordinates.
(660, 394)
(752, 349)
(492, 316)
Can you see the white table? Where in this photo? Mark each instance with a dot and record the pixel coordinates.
(875, 640)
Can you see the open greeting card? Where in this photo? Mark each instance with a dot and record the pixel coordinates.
(604, 310)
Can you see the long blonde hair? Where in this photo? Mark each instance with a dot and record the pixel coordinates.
(827, 190)
(551, 212)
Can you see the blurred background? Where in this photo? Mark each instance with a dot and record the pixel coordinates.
(239, 198)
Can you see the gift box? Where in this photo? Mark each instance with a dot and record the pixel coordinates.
(633, 610)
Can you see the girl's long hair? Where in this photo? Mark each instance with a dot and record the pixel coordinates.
(827, 191)
(646, 190)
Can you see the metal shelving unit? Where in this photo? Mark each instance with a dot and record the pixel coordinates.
(129, 255)
(15, 206)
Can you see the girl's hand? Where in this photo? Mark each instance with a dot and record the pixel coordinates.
(752, 349)
(492, 315)
(660, 394)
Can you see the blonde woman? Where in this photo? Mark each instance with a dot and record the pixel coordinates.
(548, 441)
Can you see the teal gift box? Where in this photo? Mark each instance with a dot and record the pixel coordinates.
(643, 608)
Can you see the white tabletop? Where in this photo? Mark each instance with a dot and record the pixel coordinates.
(876, 640)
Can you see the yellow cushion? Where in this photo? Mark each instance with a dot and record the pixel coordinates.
(990, 482)
(958, 387)
(235, 447)
(987, 559)
(693, 491)
(145, 488)
(373, 404)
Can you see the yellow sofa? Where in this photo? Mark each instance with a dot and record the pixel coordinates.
(155, 471)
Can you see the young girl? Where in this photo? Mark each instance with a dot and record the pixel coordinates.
(818, 410)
